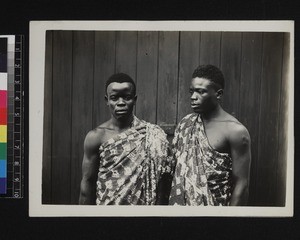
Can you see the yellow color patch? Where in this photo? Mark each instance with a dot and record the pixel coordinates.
(3, 133)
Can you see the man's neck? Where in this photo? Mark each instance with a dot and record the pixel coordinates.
(213, 114)
(122, 123)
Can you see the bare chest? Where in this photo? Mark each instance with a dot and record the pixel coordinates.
(217, 137)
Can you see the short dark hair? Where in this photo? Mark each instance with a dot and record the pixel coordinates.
(120, 78)
(211, 73)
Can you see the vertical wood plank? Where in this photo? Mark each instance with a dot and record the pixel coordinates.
(126, 50)
(167, 77)
(47, 144)
(269, 118)
(188, 62)
(283, 126)
(250, 98)
(231, 67)
(147, 75)
(82, 102)
(105, 48)
(62, 116)
(210, 48)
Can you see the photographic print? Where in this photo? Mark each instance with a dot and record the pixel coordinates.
(75, 69)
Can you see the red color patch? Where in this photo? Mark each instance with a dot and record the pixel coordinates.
(3, 116)
(3, 99)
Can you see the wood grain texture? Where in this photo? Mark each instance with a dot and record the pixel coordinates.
(249, 103)
(105, 58)
(82, 102)
(47, 140)
(147, 56)
(126, 50)
(269, 118)
(231, 68)
(167, 77)
(210, 48)
(188, 62)
(283, 124)
(62, 117)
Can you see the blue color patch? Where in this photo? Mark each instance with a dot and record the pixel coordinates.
(2, 185)
(3, 172)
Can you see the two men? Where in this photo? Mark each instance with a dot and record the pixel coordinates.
(211, 150)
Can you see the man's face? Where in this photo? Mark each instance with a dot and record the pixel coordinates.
(203, 95)
(120, 99)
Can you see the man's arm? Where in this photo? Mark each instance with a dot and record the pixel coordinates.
(90, 166)
(241, 156)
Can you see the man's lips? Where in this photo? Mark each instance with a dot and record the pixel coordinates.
(121, 111)
(193, 105)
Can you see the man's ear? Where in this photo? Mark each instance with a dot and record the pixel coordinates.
(135, 98)
(106, 99)
(219, 94)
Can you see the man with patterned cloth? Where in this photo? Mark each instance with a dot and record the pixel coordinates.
(211, 148)
(124, 157)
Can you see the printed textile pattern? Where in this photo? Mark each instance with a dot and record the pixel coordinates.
(131, 164)
(202, 175)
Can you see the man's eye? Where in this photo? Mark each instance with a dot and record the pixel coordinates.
(113, 97)
(201, 91)
(128, 97)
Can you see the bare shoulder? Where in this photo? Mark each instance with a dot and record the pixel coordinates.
(104, 125)
(93, 138)
(238, 133)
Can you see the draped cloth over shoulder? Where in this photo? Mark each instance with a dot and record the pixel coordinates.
(202, 176)
(131, 164)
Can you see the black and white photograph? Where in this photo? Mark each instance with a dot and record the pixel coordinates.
(166, 118)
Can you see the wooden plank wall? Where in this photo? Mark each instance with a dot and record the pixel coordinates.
(146, 77)
(62, 116)
(161, 63)
(47, 131)
(249, 102)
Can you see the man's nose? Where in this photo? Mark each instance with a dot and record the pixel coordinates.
(121, 101)
(193, 96)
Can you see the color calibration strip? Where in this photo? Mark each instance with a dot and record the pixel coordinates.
(3, 116)
(11, 137)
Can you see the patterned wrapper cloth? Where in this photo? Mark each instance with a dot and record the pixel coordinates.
(202, 175)
(131, 165)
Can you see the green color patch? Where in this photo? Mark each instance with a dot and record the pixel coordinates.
(3, 150)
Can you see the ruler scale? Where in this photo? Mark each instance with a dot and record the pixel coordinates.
(14, 118)
(18, 108)
(10, 109)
